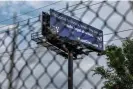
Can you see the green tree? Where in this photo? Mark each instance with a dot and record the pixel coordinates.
(119, 74)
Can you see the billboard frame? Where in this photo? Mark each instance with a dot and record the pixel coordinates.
(63, 45)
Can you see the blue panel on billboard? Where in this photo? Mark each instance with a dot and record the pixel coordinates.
(75, 30)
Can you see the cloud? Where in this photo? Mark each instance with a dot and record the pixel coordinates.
(36, 4)
(2, 3)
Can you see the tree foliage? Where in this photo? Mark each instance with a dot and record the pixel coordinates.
(119, 74)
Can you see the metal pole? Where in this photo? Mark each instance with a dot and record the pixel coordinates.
(70, 70)
(12, 56)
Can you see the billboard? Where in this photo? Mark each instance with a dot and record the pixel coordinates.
(73, 29)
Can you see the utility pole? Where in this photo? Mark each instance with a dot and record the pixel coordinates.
(70, 70)
(12, 55)
(70, 66)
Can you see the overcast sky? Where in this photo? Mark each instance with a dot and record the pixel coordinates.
(115, 22)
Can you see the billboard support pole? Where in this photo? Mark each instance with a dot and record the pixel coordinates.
(70, 70)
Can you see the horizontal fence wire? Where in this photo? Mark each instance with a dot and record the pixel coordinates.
(25, 64)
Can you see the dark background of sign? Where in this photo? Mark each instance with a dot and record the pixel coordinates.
(65, 29)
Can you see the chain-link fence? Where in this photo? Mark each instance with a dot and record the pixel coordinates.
(24, 64)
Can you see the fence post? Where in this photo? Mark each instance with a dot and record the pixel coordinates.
(10, 74)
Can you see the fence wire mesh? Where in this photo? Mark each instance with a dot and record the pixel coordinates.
(24, 64)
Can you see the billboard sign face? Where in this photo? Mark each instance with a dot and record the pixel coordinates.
(76, 30)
